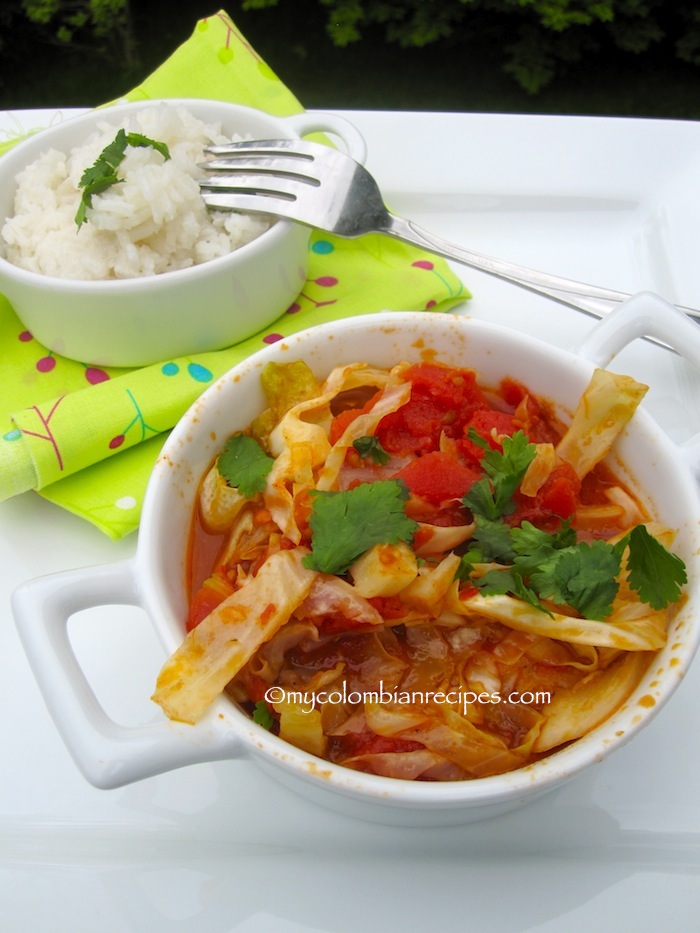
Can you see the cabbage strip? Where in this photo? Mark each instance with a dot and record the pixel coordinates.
(641, 634)
(607, 404)
(214, 651)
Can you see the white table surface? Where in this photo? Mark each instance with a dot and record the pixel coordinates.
(222, 847)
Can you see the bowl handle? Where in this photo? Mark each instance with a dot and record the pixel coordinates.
(318, 122)
(647, 314)
(108, 754)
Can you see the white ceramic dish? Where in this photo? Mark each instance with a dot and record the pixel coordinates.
(134, 322)
(223, 845)
(111, 756)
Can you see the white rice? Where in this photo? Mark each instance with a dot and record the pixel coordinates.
(154, 221)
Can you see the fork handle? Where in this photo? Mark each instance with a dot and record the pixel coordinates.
(590, 299)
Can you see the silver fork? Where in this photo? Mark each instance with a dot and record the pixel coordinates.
(326, 189)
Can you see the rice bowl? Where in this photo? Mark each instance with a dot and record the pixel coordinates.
(146, 318)
(152, 221)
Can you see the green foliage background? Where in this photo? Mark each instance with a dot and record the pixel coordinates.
(534, 37)
(627, 57)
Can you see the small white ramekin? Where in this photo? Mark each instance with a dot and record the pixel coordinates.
(134, 322)
(110, 755)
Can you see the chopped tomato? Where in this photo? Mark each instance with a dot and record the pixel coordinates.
(438, 477)
(455, 388)
(442, 399)
(558, 498)
(533, 415)
(486, 423)
(415, 427)
(560, 494)
(341, 421)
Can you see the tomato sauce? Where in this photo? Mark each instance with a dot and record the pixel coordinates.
(435, 445)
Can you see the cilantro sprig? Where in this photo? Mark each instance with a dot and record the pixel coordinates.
(555, 567)
(583, 576)
(244, 464)
(491, 497)
(102, 174)
(537, 565)
(654, 572)
(347, 523)
(370, 446)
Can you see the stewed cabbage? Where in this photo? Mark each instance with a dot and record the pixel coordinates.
(419, 577)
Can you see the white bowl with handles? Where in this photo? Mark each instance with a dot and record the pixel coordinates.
(111, 755)
(137, 321)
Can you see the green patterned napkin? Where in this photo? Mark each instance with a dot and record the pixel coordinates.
(85, 437)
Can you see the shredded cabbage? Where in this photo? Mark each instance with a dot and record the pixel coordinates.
(214, 651)
(454, 649)
(606, 406)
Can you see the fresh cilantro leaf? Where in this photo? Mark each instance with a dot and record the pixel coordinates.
(489, 542)
(576, 574)
(94, 180)
(505, 469)
(582, 576)
(80, 213)
(370, 446)
(494, 540)
(113, 152)
(480, 441)
(98, 177)
(103, 173)
(528, 539)
(244, 464)
(496, 582)
(528, 595)
(653, 571)
(525, 547)
(534, 547)
(347, 523)
(480, 500)
(262, 715)
(466, 563)
(502, 582)
(139, 140)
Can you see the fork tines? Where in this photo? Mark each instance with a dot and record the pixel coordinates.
(237, 165)
(292, 148)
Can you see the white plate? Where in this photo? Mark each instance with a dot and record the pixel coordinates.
(221, 847)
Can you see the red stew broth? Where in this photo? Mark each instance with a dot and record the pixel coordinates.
(428, 657)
